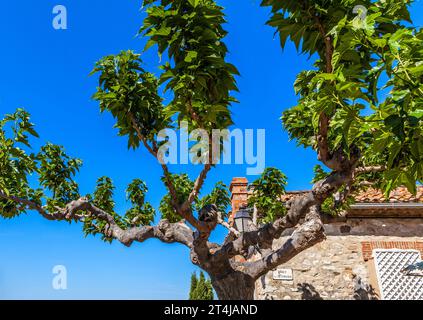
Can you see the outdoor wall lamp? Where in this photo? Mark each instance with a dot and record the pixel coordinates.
(242, 220)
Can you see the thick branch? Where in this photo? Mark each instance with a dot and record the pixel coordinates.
(341, 196)
(79, 209)
(323, 152)
(33, 206)
(298, 207)
(307, 235)
(369, 169)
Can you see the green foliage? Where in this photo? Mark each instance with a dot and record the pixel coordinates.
(130, 94)
(266, 196)
(54, 168)
(15, 163)
(331, 207)
(141, 212)
(319, 173)
(103, 199)
(219, 196)
(193, 286)
(183, 186)
(197, 74)
(103, 194)
(56, 171)
(371, 88)
(201, 289)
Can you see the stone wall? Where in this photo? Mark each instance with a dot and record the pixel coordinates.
(336, 268)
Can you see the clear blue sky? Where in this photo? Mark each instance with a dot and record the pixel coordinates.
(46, 71)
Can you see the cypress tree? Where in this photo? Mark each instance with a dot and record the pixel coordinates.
(194, 282)
(201, 289)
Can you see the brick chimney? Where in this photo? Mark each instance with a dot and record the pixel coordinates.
(239, 197)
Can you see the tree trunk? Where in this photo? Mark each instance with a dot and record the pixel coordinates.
(234, 286)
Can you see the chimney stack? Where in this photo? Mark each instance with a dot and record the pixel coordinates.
(239, 197)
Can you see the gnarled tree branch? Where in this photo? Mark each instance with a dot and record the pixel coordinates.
(79, 209)
(305, 236)
(298, 207)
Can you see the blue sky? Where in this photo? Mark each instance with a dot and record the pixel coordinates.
(46, 71)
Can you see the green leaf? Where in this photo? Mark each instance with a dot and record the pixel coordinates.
(191, 55)
(417, 113)
(394, 150)
(408, 180)
(194, 3)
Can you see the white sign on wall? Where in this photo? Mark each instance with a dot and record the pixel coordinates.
(283, 274)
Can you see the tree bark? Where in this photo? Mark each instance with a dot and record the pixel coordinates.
(234, 286)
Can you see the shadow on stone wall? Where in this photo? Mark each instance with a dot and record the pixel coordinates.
(363, 291)
(308, 292)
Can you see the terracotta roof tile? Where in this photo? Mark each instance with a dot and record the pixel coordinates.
(372, 195)
(401, 194)
(240, 193)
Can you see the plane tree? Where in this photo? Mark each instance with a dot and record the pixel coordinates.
(360, 108)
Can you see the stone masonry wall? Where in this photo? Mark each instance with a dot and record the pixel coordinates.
(336, 268)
